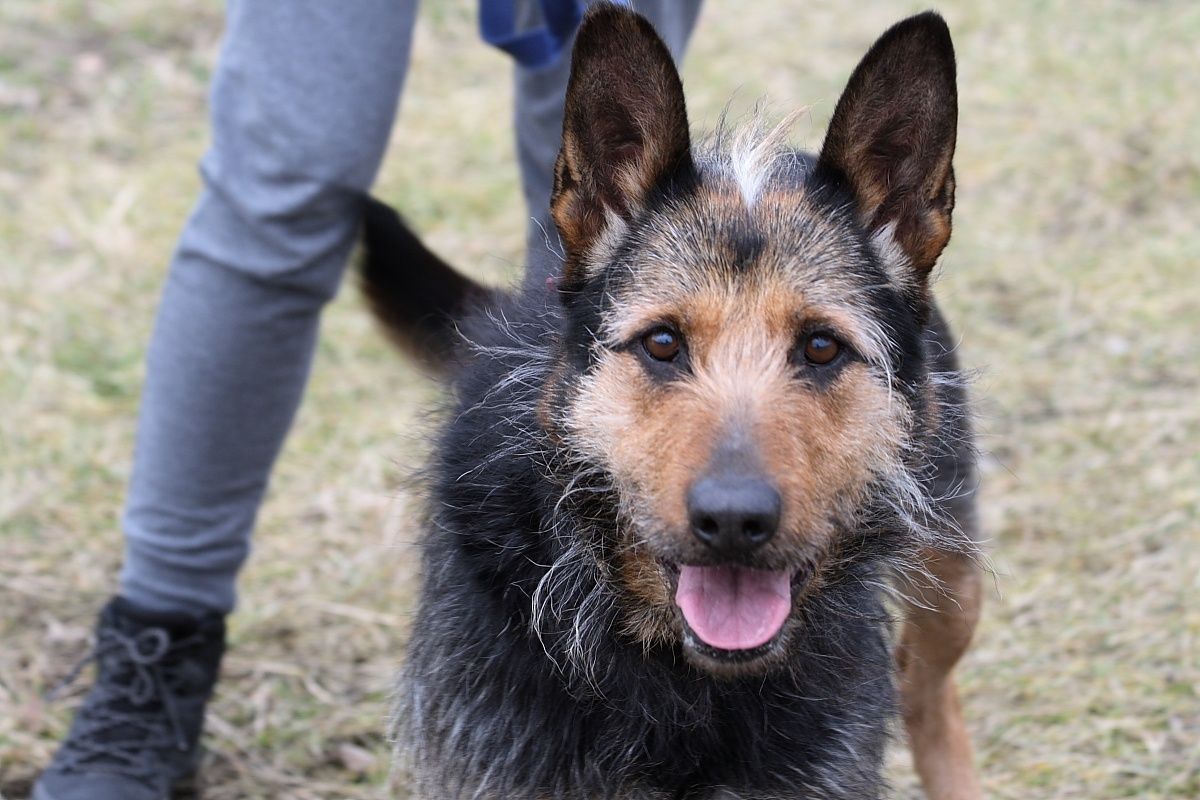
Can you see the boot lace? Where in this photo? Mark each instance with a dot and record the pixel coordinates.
(132, 712)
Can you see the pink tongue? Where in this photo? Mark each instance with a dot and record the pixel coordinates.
(734, 608)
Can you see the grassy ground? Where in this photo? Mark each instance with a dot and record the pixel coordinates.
(1071, 279)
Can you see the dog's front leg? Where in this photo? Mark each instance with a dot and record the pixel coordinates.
(939, 622)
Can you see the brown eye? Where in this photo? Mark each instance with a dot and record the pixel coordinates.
(662, 344)
(821, 348)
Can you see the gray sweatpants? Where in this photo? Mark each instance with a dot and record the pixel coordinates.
(303, 101)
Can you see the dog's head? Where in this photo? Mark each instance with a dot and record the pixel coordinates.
(743, 354)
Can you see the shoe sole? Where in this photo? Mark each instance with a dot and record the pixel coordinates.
(183, 788)
(187, 787)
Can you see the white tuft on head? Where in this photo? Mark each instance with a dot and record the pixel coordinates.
(755, 152)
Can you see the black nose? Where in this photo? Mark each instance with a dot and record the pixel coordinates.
(733, 514)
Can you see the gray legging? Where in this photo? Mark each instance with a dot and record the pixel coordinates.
(302, 105)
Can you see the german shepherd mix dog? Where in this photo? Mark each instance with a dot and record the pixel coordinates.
(677, 486)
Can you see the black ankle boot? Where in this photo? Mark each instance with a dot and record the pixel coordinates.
(137, 734)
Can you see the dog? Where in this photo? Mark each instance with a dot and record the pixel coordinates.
(677, 487)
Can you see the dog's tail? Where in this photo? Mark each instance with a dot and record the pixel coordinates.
(418, 298)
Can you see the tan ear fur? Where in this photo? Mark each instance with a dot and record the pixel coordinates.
(892, 137)
(625, 126)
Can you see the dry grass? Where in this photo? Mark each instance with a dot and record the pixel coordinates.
(1071, 278)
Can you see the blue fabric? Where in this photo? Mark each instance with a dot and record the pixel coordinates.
(538, 47)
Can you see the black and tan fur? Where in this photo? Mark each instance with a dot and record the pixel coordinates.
(549, 658)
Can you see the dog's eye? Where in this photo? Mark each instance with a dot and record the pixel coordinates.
(821, 348)
(662, 344)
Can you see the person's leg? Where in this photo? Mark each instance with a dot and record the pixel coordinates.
(538, 112)
(302, 104)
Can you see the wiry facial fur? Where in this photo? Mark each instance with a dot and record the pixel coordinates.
(548, 658)
(562, 640)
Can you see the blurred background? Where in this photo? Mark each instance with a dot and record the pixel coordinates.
(1071, 281)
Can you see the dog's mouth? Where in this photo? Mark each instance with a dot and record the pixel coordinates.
(730, 607)
(731, 612)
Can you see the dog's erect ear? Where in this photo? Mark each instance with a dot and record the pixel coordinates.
(625, 128)
(892, 137)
